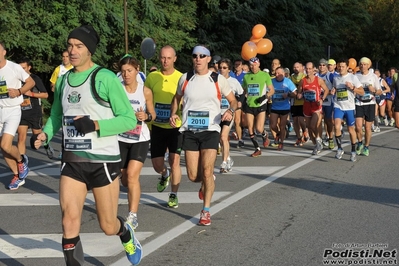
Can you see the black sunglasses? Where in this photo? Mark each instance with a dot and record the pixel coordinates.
(202, 56)
(223, 67)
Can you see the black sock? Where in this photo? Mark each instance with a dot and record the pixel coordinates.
(124, 233)
(353, 149)
(254, 141)
(339, 141)
(73, 251)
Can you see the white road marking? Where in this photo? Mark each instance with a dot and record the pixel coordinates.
(49, 245)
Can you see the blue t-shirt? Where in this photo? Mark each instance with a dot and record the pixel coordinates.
(240, 77)
(286, 86)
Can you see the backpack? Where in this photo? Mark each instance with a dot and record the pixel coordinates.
(94, 92)
(214, 77)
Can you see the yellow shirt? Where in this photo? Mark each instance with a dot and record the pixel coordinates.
(58, 72)
(163, 88)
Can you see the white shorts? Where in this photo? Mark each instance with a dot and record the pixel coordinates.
(9, 120)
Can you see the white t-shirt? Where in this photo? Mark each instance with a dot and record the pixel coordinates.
(367, 98)
(344, 98)
(236, 88)
(201, 102)
(141, 132)
(11, 76)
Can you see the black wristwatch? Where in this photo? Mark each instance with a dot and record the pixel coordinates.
(149, 119)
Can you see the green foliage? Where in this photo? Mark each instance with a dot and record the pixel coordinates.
(300, 30)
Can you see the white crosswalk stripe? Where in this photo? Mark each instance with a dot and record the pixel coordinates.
(96, 244)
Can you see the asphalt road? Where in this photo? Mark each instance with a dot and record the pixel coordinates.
(282, 208)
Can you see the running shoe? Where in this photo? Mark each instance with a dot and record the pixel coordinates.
(23, 168)
(319, 145)
(339, 154)
(306, 136)
(205, 218)
(133, 248)
(353, 156)
(256, 153)
(234, 136)
(230, 163)
(331, 144)
(392, 122)
(386, 123)
(280, 147)
(359, 148)
(163, 183)
(298, 142)
(275, 143)
(200, 194)
(315, 150)
(377, 129)
(266, 141)
(223, 167)
(173, 201)
(366, 151)
(289, 126)
(325, 142)
(240, 144)
(15, 183)
(132, 220)
(49, 151)
(372, 128)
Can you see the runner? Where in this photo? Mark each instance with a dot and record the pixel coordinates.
(311, 88)
(365, 105)
(163, 84)
(133, 144)
(345, 87)
(201, 92)
(258, 88)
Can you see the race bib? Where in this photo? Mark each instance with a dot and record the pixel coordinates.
(73, 139)
(224, 103)
(3, 90)
(342, 94)
(367, 95)
(253, 90)
(163, 112)
(135, 133)
(278, 96)
(309, 95)
(198, 120)
(26, 104)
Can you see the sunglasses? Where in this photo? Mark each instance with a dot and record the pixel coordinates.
(223, 67)
(202, 56)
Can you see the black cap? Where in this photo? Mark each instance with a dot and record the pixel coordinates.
(87, 35)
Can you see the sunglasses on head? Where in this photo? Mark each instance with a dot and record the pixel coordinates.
(202, 56)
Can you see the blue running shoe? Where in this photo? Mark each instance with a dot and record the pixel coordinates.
(16, 182)
(23, 168)
(133, 248)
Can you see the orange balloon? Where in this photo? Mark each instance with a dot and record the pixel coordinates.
(248, 50)
(264, 46)
(352, 63)
(356, 69)
(255, 40)
(258, 31)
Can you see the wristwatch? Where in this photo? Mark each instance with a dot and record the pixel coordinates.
(231, 110)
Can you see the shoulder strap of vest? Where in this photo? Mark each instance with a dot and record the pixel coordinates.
(93, 88)
(188, 77)
(214, 77)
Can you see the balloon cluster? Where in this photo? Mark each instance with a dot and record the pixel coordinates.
(256, 44)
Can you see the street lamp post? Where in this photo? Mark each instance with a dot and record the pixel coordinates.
(126, 35)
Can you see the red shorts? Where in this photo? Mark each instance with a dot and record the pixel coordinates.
(309, 108)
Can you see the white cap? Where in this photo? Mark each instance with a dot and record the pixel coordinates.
(266, 70)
